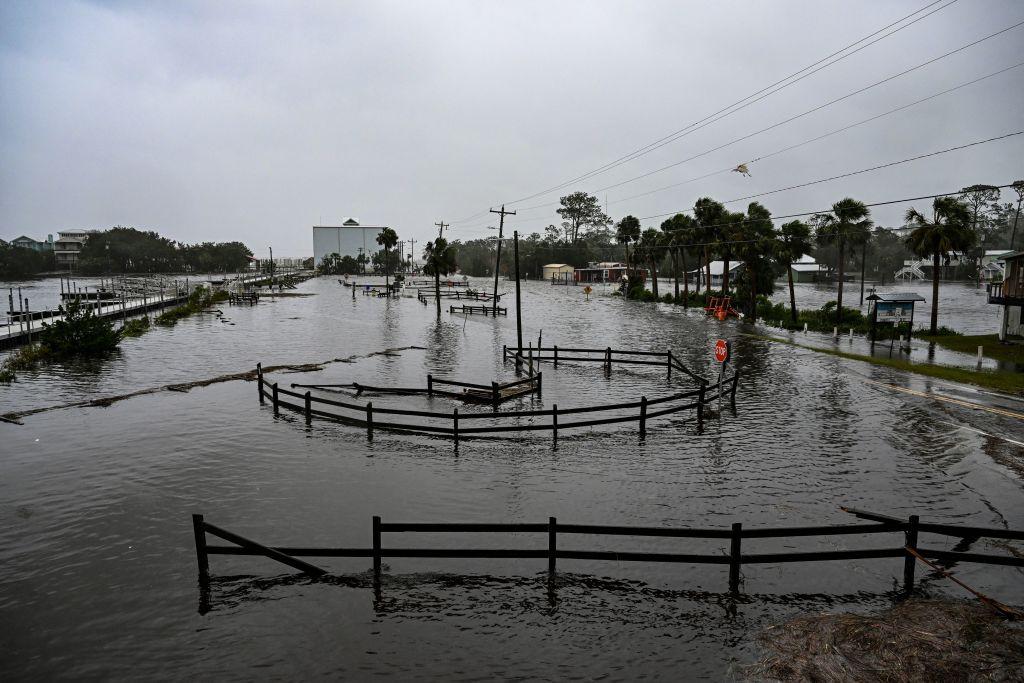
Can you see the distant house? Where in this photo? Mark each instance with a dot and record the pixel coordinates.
(606, 271)
(806, 269)
(717, 273)
(1010, 294)
(559, 271)
(29, 243)
(68, 246)
(348, 239)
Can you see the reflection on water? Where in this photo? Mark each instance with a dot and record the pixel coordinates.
(99, 575)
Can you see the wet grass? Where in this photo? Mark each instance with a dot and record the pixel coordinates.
(1009, 382)
(992, 348)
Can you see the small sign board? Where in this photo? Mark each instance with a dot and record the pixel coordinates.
(894, 311)
(722, 350)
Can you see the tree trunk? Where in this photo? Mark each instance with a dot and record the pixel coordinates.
(675, 272)
(842, 273)
(753, 293)
(725, 274)
(437, 291)
(707, 268)
(387, 263)
(686, 280)
(654, 276)
(792, 294)
(935, 293)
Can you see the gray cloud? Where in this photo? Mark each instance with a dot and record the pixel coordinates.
(253, 121)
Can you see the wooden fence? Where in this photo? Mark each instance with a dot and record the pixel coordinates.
(495, 393)
(910, 528)
(479, 310)
(606, 357)
(368, 417)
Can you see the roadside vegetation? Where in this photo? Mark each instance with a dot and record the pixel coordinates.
(199, 300)
(1011, 350)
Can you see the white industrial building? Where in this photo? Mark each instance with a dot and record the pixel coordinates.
(348, 239)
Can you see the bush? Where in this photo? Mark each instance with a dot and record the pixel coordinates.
(25, 358)
(135, 328)
(198, 300)
(80, 333)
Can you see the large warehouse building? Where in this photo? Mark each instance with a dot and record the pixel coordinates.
(348, 239)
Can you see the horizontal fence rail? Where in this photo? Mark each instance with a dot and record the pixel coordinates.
(735, 559)
(364, 415)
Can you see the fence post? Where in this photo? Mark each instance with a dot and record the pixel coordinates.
(309, 408)
(376, 549)
(531, 359)
(430, 385)
(504, 352)
(608, 359)
(643, 416)
(199, 530)
(540, 384)
(735, 381)
(494, 395)
(455, 425)
(554, 421)
(552, 546)
(700, 406)
(274, 387)
(668, 363)
(910, 561)
(556, 356)
(734, 557)
(259, 380)
(369, 420)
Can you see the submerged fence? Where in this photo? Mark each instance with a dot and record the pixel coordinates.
(368, 416)
(735, 559)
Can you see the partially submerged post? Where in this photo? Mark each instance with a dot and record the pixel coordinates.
(519, 305)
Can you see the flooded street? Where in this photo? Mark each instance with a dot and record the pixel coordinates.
(99, 561)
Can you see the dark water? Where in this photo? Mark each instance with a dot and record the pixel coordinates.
(99, 574)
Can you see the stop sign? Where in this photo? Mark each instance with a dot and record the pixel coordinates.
(722, 350)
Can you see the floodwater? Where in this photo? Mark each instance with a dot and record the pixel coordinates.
(100, 580)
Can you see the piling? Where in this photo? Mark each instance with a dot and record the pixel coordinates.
(552, 546)
(732, 394)
(494, 396)
(376, 549)
(540, 384)
(430, 385)
(608, 359)
(556, 356)
(309, 408)
(554, 422)
(203, 559)
(668, 363)
(734, 557)
(455, 425)
(259, 380)
(274, 387)
(910, 562)
(369, 420)
(643, 416)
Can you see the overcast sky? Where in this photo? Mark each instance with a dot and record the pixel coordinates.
(253, 121)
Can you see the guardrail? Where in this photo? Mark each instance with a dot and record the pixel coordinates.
(911, 528)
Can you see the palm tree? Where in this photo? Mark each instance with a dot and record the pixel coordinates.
(709, 215)
(439, 257)
(387, 238)
(755, 240)
(627, 230)
(948, 231)
(847, 224)
(679, 232)
(794, 241)
(650, 246)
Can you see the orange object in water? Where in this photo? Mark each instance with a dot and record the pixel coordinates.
(721, 313)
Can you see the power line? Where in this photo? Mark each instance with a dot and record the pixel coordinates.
(743, 103)
(818, 108)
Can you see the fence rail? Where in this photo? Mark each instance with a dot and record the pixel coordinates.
(606, 356)
(735, 559)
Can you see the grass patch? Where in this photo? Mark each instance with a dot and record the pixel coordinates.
(198, 301)
(26, 358)
(1010, 382)
(993, 348)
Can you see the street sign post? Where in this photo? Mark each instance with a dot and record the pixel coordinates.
(723, 350)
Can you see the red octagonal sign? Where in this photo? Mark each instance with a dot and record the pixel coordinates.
(721, 350)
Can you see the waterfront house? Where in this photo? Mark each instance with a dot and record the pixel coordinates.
(562, 272)
(69, 245)
(1010, 294)
(606, 271)
(717, 272)
(806, 269)
(28, 243)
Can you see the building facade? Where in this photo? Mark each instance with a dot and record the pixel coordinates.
(348, 239)
(68, 247)
(28, 243)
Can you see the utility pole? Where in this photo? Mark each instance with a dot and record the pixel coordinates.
(497, 257)
(441, 226)
(271, 267)
(412, 251)
(519, 308)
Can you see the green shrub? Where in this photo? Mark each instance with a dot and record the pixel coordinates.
(136, 327)
(80, 333)
(197, 302)
(25, 358)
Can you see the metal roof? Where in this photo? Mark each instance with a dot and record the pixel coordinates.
(896, 296)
